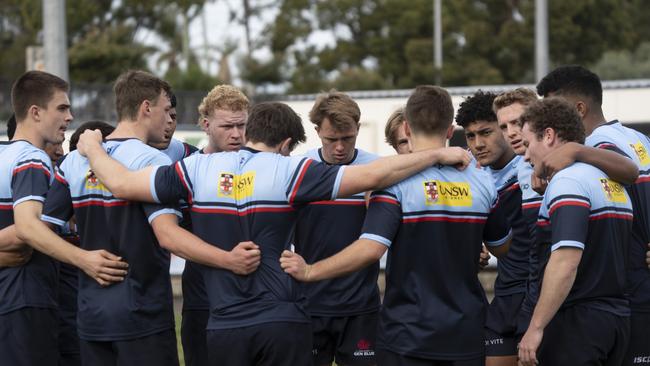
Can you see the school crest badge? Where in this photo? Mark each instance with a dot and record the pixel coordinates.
(226, 183)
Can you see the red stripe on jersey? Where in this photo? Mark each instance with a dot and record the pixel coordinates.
(385, 200)
(6, 207)
(543, 223)
(611, 216)
(32, 166)
(100, 203)
(643, 179)
(567, 203)
(445, 219)
(512, 187)
(60, 178)
(299, 180)
(242, 213)
(179, 171)
(343, 203)
(265, 209)
(532, 205)
(605, 146)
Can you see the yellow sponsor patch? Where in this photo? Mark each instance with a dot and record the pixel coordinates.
(447, 193)
(641, 153)
(236, 186)
(92, 182)
(614, 192)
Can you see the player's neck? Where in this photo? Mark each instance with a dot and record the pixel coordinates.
(591, 122)
(31, 135)
(260, 146)
(419, 143)
(129, 129)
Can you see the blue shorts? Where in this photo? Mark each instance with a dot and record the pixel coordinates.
(267, 344)
(388, 358)
(501, 335)
(154, 350)
(638, 351)
(349, 340)
(193, 338)
(29, 337)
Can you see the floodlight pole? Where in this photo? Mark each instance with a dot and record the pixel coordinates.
(55, 47)
(541, 39)
(437, 40)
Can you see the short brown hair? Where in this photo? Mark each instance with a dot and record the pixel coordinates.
(392, 125)
(429, 110)
(339, 108)
(523, 96)
(34, 88)
(271, 123)
(134, 87)
(225, 97)
(555, 113)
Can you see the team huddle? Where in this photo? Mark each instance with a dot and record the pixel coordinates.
(282, 252)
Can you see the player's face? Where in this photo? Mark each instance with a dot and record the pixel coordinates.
(55, 118)
(338, 144)
(536, 149)
(401, 140)
(508, 119)
(161, 126)
(54, 151)
(487, 144)
(226, 129)
(167, 139)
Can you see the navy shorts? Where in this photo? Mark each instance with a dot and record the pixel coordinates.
(349, 340)
(501, 335)
(638, 351)
(29, 337)
(580, 335)
(267, 344)
(388, 358)
(193, 338)
(154, 350)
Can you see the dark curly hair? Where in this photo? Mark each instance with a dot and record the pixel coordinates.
(477, 107)
(572, 80)
(555, 113)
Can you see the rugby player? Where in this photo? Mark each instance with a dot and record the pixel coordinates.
(343, 310)
(582, 88)
(582, 314)
(259, 318)
(28, 308)
(433, 225)
(495, 155)
(395, 134)
(132, 322)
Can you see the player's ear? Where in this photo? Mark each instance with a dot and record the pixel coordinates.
(285, 147)
(582, 109)
(407, 129)
(450, 132)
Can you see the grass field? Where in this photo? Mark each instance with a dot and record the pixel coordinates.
(181, 357)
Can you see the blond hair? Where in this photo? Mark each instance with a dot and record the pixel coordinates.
(523, 96)
(225, 97)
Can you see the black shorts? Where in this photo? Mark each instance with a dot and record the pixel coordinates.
(349, 340)
(501, 335)
(388, 358)
(638, 351)
(29, 337)
(579, 335)
(154, 350)
(267, 344)
(193, 339)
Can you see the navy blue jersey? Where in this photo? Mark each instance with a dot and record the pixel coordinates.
(434, 224)
(27, 175)
(584, 209)
(531, 201)
(179, 150)
(241, 196)
(141, 305)
(512, 269)
(615, 136)
(356, 293)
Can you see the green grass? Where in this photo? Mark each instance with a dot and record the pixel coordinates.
(181, 357)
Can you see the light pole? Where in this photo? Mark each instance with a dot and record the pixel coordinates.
(55, 47)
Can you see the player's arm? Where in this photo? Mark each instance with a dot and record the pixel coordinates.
(242, 259)
(558, 279)
(354, 257)
(13, 252)
(615, 165)
(122, 182)
(101, 265)
(387, 171)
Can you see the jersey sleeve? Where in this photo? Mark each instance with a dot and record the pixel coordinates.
(58, 205)
(31, 177)
(171, 183)
(602, 141)
(314, 181)
(568, 207)
(383, 218)
(497, 229)
(153, 210)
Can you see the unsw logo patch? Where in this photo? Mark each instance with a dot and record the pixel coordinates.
(447, 193)
(614, 192)
(641, 153)
(236, 186)
(93, 183)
